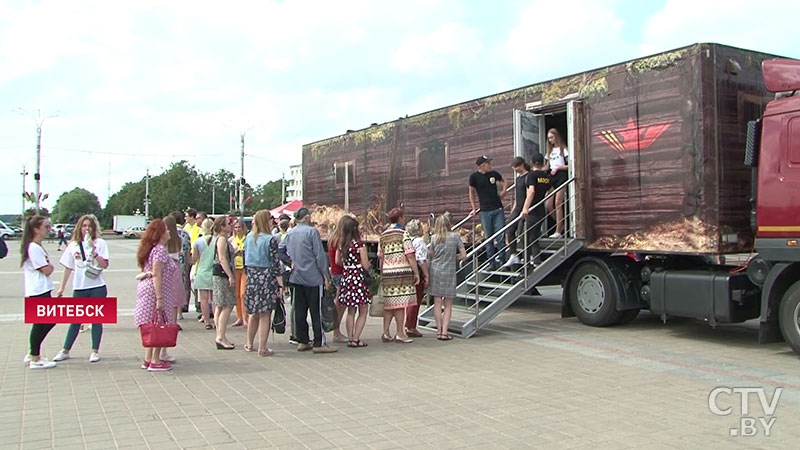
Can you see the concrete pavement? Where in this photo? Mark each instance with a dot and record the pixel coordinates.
(532, 380)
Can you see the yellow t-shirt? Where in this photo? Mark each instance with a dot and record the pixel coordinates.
(193, 230)
(238, 261)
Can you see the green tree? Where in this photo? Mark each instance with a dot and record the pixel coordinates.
(267, 196)
(75, 203)
(126, 201)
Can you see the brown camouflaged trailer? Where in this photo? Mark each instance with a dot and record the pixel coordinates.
(657, 150)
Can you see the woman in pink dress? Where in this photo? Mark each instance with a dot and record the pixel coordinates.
(154, 293)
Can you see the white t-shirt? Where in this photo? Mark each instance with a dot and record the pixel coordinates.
(72, 259)
(420, 249)
(36, 283)
(557, 158)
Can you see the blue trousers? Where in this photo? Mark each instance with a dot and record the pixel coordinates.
(492, 222)
(97, 328)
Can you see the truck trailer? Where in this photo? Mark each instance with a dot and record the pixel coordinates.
(683, 195)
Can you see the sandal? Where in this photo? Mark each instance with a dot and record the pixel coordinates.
(340, 339)
(248, 348)
(209, 327)
(400, 340)
(361, 344)
(386, 338)
(267, 352)
(352, 344)
(222, 346)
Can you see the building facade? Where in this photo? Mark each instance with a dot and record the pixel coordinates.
(294, 184)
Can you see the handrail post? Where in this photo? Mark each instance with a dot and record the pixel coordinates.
(476, 273)
(525, 249)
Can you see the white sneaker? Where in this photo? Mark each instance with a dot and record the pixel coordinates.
(94, 357)
(555, 235)
(26, 360)
(41, 364)
(511, 261)
(61, 356)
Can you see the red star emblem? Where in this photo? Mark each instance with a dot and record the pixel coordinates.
(633, 136)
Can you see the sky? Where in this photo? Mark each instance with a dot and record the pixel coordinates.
(127, 87)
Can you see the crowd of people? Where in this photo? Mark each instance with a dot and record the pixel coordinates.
(223, 265)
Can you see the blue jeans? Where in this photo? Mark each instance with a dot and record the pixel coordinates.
(492, 222)
(97, 328)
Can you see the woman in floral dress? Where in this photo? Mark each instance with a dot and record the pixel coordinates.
(354, 292)
(399, 276)
(264, 286)
(153, 293)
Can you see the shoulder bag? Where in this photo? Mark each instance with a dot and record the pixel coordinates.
(92, 269)
(159, 334)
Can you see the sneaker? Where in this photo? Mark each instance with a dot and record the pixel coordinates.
(511, 261)
(166, 357)
(555, 235)
(41, 364)
(303, 347)
(293, 340)
(161, 367)
(325, 349)
(61, 356)
(145, 364)
(94, 357)
(26, 360)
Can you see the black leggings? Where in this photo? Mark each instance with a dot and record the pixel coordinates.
(39, 331)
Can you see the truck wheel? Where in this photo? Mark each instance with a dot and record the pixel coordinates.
(789, 316)
(593, 296)
(628, 316)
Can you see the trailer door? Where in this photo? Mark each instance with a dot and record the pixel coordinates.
(528, 134)
(577, 192)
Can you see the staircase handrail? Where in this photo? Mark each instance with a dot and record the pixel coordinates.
(501, 231)
(470, 216)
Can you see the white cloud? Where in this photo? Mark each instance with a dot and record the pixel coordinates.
(452, 42)
(769, 26)
(584, 35)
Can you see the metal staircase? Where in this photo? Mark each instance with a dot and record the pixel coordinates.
(483, 293)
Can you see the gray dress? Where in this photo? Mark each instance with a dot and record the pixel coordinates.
(224, 295)
(443, 264)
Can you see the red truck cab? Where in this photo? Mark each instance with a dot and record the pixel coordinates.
(773, 151)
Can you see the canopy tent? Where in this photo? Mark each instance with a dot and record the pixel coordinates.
(286, 208)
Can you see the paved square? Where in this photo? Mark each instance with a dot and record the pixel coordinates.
(531, 380)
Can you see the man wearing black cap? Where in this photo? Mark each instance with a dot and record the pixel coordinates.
(309, 261)
(483, 183)
(538, 183)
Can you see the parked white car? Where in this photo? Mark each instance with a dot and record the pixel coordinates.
(133, 232)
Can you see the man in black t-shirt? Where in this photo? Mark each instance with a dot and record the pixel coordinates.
(483, 184)
(538, 183)
(522, 169)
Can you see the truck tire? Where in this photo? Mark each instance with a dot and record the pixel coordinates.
(789, 316)
(628, 316)
(592, 295)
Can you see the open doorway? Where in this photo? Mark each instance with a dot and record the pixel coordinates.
(568, 119)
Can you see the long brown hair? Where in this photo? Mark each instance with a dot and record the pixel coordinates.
(335, 238)
(94, 228)
(219, 224)
(349, 233)
(174, 242)
(260, 224)
(152, 237)
(559, 142)
(31, 225)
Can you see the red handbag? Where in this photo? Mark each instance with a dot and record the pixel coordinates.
(159, 334)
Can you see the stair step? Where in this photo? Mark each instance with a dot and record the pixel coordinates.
(490, 284)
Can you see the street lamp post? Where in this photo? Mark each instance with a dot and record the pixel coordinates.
(37, 176)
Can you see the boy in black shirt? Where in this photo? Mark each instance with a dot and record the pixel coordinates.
(522, 169)
(484, 183)
(538, 184)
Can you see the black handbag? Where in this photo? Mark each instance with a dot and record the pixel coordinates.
(368, 278)
(217, 269)
(279, 318)
(328, 313)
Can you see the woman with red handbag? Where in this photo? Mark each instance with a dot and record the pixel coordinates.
(153, 295)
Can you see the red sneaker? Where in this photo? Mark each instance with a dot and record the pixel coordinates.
(160, 367)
